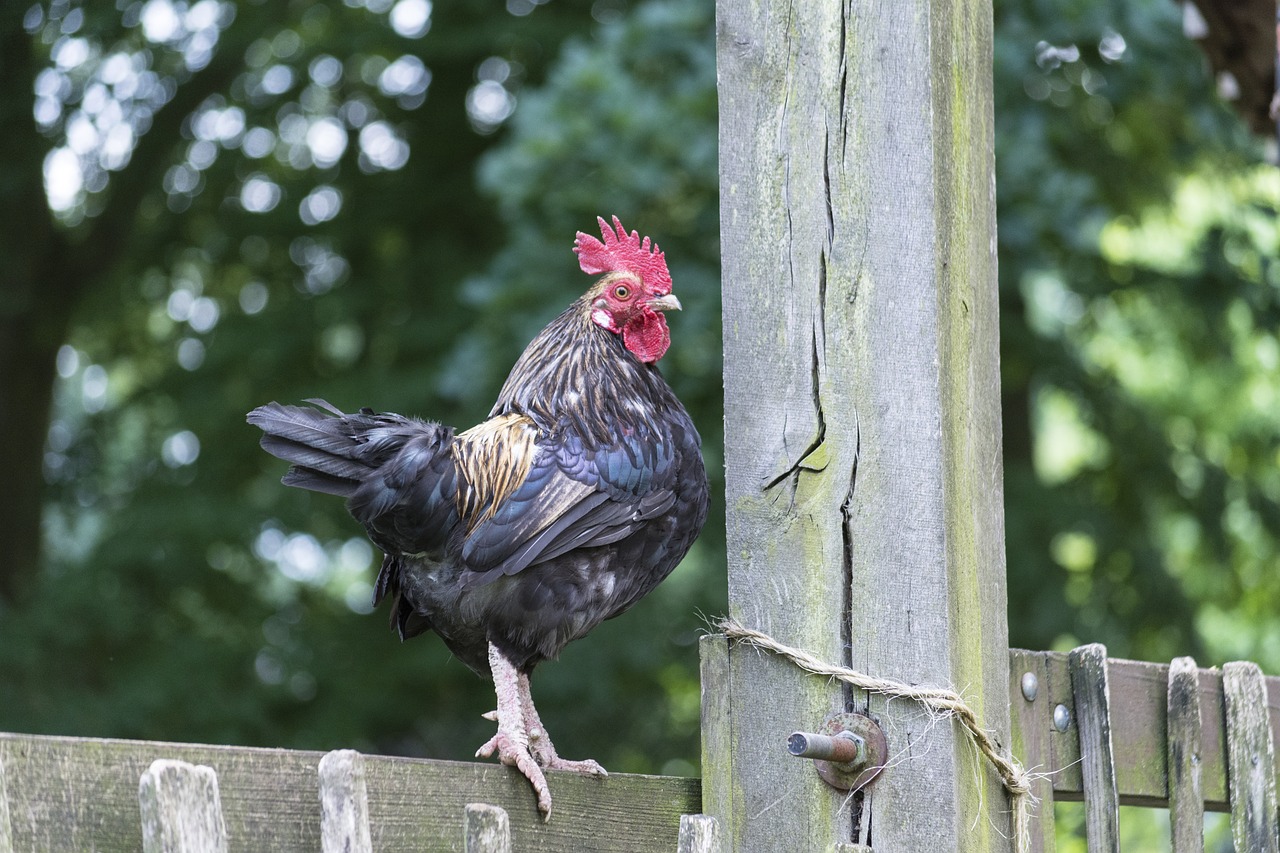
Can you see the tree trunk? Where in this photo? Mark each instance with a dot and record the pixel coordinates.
(47, 270)
(35, 309)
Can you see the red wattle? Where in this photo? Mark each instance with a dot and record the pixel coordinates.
(647, 336)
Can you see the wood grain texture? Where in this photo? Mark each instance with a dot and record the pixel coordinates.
(1092, 716)
(488, 829)
(1251, 766)
(864, 481)
(1032, 737)
(1186, 799)
(1138, 726)
(717, 734)
(6, 834)
(180, 808)
(77, 794)
(344, 803)
(699, 833)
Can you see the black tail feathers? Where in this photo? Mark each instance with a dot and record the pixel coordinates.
(331, 451)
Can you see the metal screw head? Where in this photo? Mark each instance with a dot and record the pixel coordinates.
(1030, 686)
(1061, 718)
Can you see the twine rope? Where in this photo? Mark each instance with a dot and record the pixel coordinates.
(937, 700)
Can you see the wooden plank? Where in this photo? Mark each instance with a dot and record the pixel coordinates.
(6, 833)
(488, 829)
(344, 803)
(1033, 733)
(1092, 715)
(1186, 800)
(717, 731)
(181, 811)
(699, 833)
(76, 794)
(862, 446)
(1251, 770)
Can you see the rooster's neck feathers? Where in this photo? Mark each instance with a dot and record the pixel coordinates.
(578, 376)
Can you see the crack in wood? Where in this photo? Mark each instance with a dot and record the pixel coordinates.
(809, 459)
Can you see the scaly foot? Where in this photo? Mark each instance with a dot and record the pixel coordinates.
(514, 752)
(544, 752)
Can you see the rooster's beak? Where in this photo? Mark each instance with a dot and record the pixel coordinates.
(664, 303)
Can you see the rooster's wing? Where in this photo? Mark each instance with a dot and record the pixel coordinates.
(570, 496)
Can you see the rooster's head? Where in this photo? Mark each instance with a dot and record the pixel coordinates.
(636, 288)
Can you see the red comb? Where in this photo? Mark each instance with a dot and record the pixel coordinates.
(620, 252)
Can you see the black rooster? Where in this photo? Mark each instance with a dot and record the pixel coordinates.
(579, 494)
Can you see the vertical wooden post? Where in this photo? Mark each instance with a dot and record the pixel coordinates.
(344, 803)
(1184, 734)
(486, 829)
(862, 445)
(6, 832)
(181, 810)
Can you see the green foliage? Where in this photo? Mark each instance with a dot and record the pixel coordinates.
(276, 244)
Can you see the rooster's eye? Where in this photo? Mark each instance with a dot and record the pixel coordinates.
(622, 291)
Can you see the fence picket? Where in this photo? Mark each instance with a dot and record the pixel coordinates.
(344, 803)
(487, 829)
(6, 832)
(180, 808)
(1186, 799)
(699, 833)
(1097, 761)
(1251, 775)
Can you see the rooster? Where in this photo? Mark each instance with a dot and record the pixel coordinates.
(580, 493)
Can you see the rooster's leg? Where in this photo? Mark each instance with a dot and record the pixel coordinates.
(540, 742)
(511, 743)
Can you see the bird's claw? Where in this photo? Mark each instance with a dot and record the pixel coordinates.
(513, 753)
(586, 767)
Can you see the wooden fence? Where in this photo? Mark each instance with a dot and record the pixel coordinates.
(80, 794)
(1108, 732)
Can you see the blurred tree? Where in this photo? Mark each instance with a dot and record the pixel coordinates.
(229, 215)
(239, 202)
(1115, 354)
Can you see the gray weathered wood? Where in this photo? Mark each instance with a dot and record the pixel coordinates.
(68, 795)
(1139, 688)
(699, 833)
(181, 811)
(344, 803)
(1251, 772)
(1033, 736)
(1186, 798)
(6, 834)
(1092, 715)
(862, 406)
(717, 738)
(487, 829)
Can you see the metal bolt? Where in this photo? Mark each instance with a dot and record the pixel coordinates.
(841, 748)
(1061, 718)
(1030, 686)
(848, 751)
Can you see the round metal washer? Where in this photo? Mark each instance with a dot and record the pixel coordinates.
(854, 775)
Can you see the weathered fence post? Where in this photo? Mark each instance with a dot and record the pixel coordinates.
(6, 833)
(181, 809)
(699, 833)
(486, 829)
(344, 803)
(862, 445)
